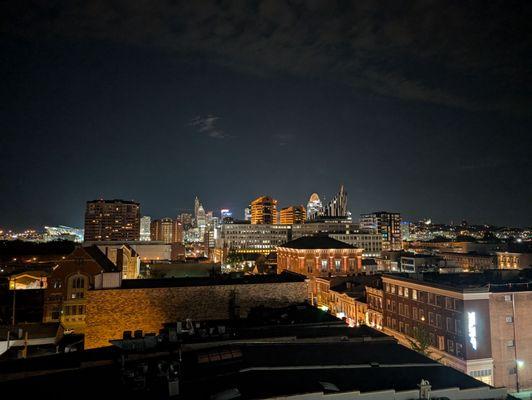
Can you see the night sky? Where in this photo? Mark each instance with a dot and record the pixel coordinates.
(420, 107)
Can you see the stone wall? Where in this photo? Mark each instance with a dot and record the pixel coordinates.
(111, 312)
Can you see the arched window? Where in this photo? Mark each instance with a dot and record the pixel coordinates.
(77, 286)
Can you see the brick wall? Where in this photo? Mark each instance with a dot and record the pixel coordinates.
(111, 312)
(502, 331)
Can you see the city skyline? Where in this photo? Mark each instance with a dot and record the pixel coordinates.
(420, 110)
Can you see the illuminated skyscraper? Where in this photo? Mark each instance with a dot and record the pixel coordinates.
(264, 210)
(112, 220)
(145, 224)
(387, 224)
(314, 206)
(293, 215)
(247, 214)
(337, 207)
(166, 230)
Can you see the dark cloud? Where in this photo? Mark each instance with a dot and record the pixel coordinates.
(207, 125)
(473, 55)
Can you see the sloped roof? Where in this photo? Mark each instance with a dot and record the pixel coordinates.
(96, 254)
(317, 242)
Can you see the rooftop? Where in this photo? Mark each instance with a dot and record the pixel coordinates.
(223, 279)
(295, 350)
(316, 242)
(492, 280)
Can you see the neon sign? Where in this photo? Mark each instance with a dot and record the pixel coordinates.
(472, 329)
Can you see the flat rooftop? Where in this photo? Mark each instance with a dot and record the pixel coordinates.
(223, 279)
(492, 280)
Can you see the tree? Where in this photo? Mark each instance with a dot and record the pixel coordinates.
(420, 340)
(234, 258)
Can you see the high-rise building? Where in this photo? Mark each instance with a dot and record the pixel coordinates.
(201, 217)
(337, 207)
(314, 207)
(388, 225)
(197, 205)
(264, 210)
(186, 220)
(145, 228)
(112, 220)
(293, 215)
(247, 214)
(167, 230)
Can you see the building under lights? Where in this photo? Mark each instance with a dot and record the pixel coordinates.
(252, 238)
(314, 207)
(63, 233)
(319, 256)
(264, 211)
(337, 207)
(145, 228)
(478, 323)
(112, 220)
(167, 230)
(388, 225)
(293, 215)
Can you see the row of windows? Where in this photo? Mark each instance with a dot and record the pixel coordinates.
(437, 341)
(418, 314)
(74, 310)
(424, 297)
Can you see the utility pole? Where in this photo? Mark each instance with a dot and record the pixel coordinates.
(14, 301)
(515, 344)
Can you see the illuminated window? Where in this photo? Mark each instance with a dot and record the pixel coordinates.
(414, 294)
(324, 265)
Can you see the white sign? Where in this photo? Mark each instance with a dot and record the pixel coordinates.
(472, 328)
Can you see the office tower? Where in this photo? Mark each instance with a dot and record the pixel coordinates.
(293, 215)
(337, 207)
(197, 205)
(167, 230)
(247, 214)
(388, 225)
(264, 210)
(201, 217)
(112, 220)
(145, 228)
(186, 220)
(162, 230)
(314, 207)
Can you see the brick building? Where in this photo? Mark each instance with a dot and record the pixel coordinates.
(344, 297)
(66, 294)
(319, 256)
(478, 323)
(471, 261)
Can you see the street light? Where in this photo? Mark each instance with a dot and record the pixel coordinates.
(520, 363)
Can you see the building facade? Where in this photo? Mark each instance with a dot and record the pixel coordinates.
(264, 211)
(477, 323)
(371, 243)
(167, 230)
(314, 207)
(112, 220)
(319, 256)
(388, 225)
(293, 215)
(145, 228)
(66, 293)
(514, 260)
(252, 238)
